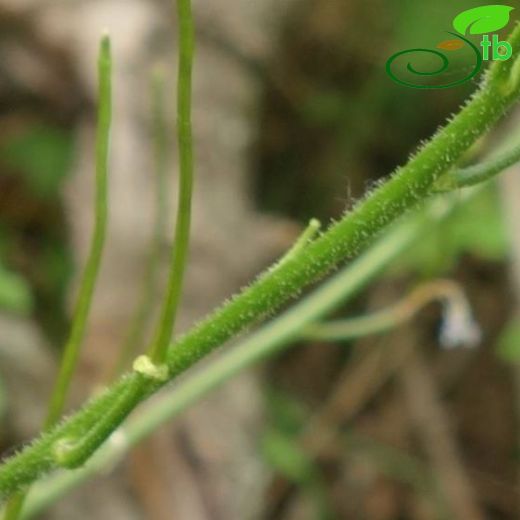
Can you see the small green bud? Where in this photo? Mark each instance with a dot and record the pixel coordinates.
(145, 366)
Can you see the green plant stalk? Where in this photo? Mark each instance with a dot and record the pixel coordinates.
(406, 188)
(302, 242)
(88, 282)
(182, 227)
(71, 451)
(389, 318)
(135, 337)
(270, 339)
(267, 341)
(478, 173)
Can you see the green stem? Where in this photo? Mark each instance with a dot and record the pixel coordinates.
(472, 175)
(166, 325)
(88, 282)
(267, 341)
(386, 319)
(273, 337)
(135, 337)
(410, 185)
(301, 243)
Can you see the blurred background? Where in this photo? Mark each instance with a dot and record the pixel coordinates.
(295, 118)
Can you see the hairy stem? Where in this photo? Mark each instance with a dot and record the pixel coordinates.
(166, 325)
(270, 339)
(407, 187)
(481, 172)
(302, 242)
(88, 282)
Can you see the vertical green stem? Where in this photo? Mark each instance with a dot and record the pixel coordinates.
(75, 453)
(88, 282)
(182, 228)
(136, 333)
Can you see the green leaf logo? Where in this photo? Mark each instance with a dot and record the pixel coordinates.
(480, 20)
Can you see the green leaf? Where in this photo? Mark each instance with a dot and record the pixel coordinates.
(480, 20)
(509, 342)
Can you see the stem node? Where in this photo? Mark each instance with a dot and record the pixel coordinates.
(146, 367)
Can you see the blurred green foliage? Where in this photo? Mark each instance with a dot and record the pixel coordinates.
(283, 454)
(3, 400)
(284, 411)
(282, 450)
(35, 159)
(42, 154)
(286, 418)
(509, 342)
(476, 227)
(15, 293)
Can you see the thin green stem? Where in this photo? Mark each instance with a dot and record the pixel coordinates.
(301, 243)
(386, 319)
(88, 282)
(136, 333)
(272, 338)
(166, 325)
(405, 189)
(484, 171)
